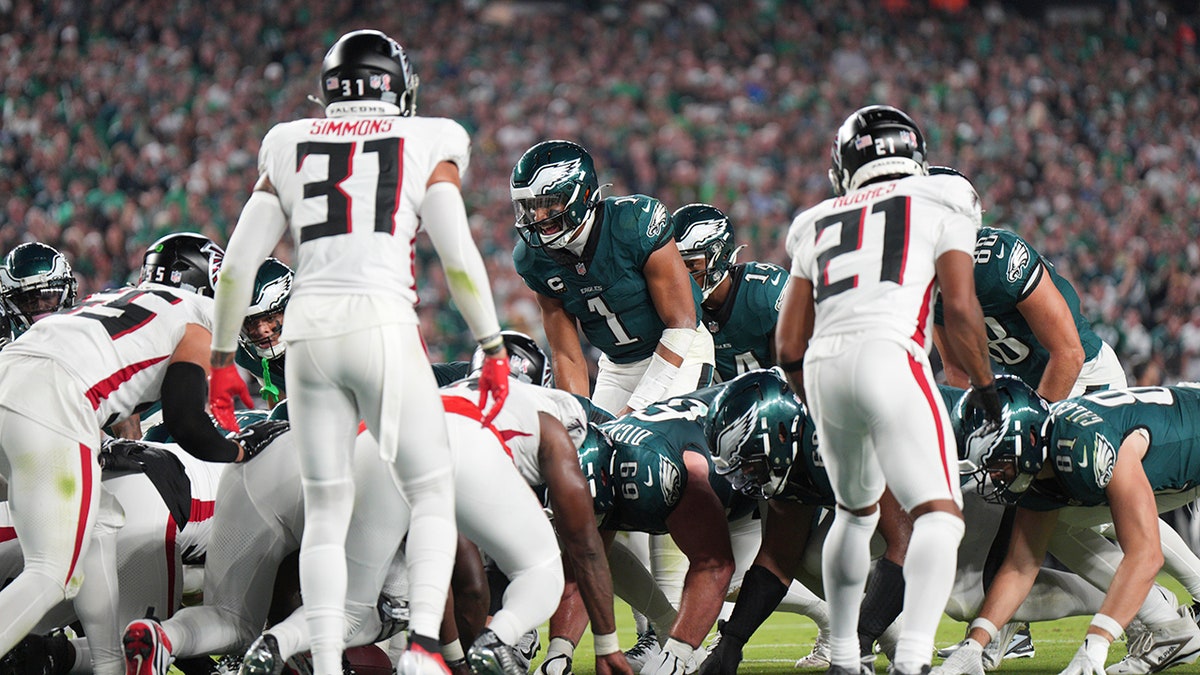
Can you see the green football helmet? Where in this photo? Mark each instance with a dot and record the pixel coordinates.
(756, 429)
(558, 176)
(703, 232)
(35, 281)
(596, 458)
(1005, 460)
(264, 319)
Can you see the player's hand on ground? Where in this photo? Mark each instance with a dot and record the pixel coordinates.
(259, 435)
(560, 664)
(223, 385)
(612, 664)
(1089, 659)
(666, 662)
(493, 383)
(966, 660)
(724, 659)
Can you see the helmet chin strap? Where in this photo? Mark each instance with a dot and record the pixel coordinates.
(579, 237)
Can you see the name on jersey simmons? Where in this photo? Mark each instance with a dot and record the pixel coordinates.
(860, 196)
(349, 127)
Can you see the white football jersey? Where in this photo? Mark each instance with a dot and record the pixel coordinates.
(118, 344)
(517, 425)
(352, 189)
(870, 253)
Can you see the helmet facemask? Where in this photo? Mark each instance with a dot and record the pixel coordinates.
(705, 241)
(36, 281)
(756, 433)
(554, 193)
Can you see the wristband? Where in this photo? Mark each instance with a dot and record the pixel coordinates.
(792, 366)
(491, 344)
(1107, 624)
(606, 644)
(987, 627)
(453, 651)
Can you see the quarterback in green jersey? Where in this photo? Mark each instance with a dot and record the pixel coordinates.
(740, 301)
(606, 264)
(1134, 451)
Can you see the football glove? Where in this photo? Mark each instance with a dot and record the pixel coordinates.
(259, 435)
(555, 664)
(493, 381)
(223, 384)
(724, 659)
(986, 399)
(672, 660)
(1089, 659)
(966, 660)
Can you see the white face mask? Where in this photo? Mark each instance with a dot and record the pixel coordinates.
(576, 240)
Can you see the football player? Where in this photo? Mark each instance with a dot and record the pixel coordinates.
(740, 301)
(1119, 456)
(35, 281)
(260, 344)
(72, 374)
(605, 266)
(354, 187)
(852, 337)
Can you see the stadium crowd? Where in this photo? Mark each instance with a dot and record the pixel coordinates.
(123, 121)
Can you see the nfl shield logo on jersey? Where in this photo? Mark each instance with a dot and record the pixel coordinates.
(580, 269)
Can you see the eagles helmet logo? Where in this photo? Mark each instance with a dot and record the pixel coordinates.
(733, 437)
(1017, 260)
(553, 175)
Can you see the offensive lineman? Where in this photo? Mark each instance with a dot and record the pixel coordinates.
(355, 187)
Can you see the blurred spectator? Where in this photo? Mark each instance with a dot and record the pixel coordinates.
(122, 120)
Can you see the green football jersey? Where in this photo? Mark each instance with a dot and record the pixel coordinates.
(742, 327)
(604, 288)
(1007, 270)
(649, 475)
(1085, 436)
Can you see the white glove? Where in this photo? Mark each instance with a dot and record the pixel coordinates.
(672, 660)
(1090, 658)
(966, 660)
(555, 664)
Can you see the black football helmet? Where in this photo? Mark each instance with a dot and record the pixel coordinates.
(876, 142)
(1012, 455)
(526, 360)
(184, 260)
(35, 280)
(366, 65)
(704, 231)
(559, 176)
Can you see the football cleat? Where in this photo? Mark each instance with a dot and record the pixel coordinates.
(416, 660)
(527, 648)
(893, 670)
(263, 657)
(1172, 644)
(820, 654)
(842, 670)
(643, 650)
(147, 649)
(490, 656)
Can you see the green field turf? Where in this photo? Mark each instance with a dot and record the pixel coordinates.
(784, 638)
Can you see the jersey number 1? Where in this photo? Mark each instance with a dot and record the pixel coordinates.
(895, 244)
(338, 202)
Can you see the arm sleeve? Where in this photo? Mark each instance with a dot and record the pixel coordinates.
(444, 217)
(184, 394)
(259, 228)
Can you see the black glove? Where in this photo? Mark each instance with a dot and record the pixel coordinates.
(120, 455)
(165, 471)
(258, 435)
(985, 398)
(725, 658)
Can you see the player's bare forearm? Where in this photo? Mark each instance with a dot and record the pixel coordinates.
(570, 618)
(955, 375)
(967, 340)
(704, 590)
(1135, 519)
(221, 359)
(1026, 550)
